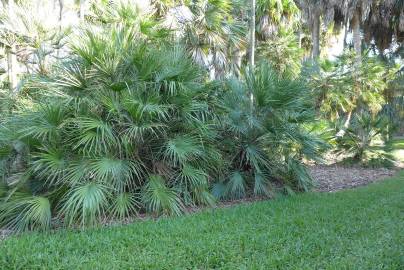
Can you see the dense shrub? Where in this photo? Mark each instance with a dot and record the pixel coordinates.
(127, 125)
(120, 119)
(264, 133)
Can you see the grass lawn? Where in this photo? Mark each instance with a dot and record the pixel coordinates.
(355, 229)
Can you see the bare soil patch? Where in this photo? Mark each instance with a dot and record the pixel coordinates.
(334, 177)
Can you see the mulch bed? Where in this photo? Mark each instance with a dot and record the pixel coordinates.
(333, 178)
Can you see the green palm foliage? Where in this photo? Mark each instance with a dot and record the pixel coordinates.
(265, 139)
(275, 15)
(213, 33)
(24, 212)
(159, 198)
(114, 120)
(366, 141)
(283, 52)
(129, 124)
(342, 86)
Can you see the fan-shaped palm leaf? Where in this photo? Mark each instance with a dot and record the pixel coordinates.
(85, 204)
(45, 123)
(94, 135)
(23, 212)
(50, 163)
(181, 149)
(118, 173)
(236, 186)
(124, 205)
(160, 199)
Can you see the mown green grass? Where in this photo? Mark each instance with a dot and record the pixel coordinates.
(354, 229)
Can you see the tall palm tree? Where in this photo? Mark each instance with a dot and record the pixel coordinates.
(312, 11)
(277, 42)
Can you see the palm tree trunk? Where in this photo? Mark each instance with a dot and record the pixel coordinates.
(12, 58)
(60, 13)
(252, 33)
(237, 61)
(357, 37)
(81, 12)
(315, 36)
(12, 68)
(299, 38)
(355, 23)
(347, 122)
(345, 33)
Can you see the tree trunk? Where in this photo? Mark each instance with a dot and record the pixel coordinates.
(357, 37)
(345, 33)
(347, 122)
(12, 68)
(81, 12)
(60, 13)
(12, 58)
(355, 23)
(299, 38)
(237, 61)
(252, 49)
(252, 33)
(315, 36)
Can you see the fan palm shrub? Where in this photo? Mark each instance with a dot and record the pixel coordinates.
(341, 87)
(122, 126)
(128, 123)
(265, 139)
(366, 141)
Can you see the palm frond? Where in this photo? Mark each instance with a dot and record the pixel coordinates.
(160, 199)
(85, 204)
(236, 186)
(23, 213)
(50, 164)
(94, 135)
(182, 149)
(118, 173)
(124, 205)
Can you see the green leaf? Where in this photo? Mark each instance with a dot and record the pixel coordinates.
(160, 199)
(23, 213)
(124, 205)
(85, 204)
(236, 186)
